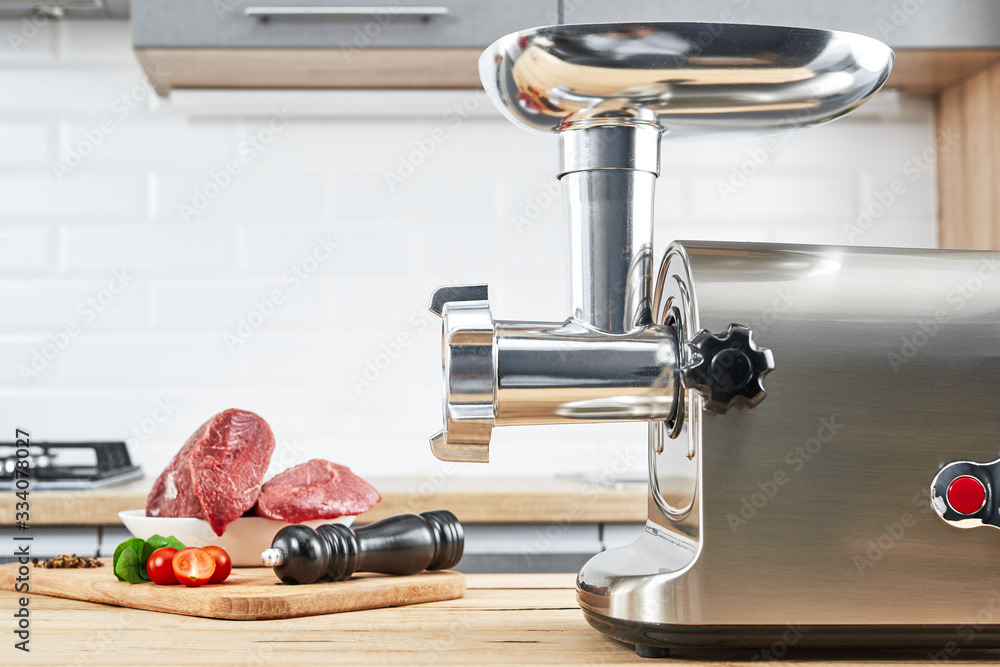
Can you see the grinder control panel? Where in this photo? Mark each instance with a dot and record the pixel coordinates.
(964, 494)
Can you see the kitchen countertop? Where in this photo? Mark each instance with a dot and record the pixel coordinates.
(503, 619)
(472, 499)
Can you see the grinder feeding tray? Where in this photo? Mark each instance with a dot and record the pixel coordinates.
(838, 502)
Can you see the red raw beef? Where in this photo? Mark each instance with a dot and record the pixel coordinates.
(217, 474)
(316, 489)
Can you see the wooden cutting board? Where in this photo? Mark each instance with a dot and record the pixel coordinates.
(249, 594)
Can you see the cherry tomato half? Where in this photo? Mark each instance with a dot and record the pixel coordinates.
(223, 564)
(160, 566)
(193, 566)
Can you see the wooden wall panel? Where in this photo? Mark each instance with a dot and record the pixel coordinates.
(926, 72)
(969, 166)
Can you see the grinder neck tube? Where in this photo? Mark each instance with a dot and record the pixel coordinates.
(609, 175)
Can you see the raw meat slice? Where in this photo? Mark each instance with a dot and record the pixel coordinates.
(217, 474)
(316, 489)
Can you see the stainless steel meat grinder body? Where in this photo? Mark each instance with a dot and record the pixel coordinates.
(853, 502)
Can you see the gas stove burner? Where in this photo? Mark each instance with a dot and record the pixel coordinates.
(70, 466)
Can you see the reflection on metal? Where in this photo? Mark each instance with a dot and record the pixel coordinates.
(790, 496)
(747, 79)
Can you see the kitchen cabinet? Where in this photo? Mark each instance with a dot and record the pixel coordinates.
(323, 43)
(417, 44)
(326, 24)
(42, 11)
(917, 24)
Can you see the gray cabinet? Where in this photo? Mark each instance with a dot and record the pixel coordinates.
(70, 9)
(326, 24)
(324, 43)
(912, 24)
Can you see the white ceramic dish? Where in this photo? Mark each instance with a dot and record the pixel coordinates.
(244, 539)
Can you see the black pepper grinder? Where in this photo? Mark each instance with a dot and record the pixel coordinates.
(401, 544)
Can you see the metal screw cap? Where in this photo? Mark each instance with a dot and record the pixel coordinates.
(469, 371)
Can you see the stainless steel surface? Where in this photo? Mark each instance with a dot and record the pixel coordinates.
(818, 500)
(66, 466)
(746, 79)
(569, 373)
(816, 507)
(387, 11)
(609, 176)
(449, 293)
(634, 147)
(272, 557)
(610, 215)
(469, 371)
(116, 479)
(510, 373)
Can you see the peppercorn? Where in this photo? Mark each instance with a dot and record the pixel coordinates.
(70, 561)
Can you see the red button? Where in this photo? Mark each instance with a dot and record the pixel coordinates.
(966, 495)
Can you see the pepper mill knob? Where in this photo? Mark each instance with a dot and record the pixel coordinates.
(402, 544)
(728, 368)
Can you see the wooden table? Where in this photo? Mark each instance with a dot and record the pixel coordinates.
(503, 620)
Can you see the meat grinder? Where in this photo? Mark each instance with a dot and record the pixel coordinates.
(849, 504)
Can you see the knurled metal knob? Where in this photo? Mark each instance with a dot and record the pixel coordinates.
(728, 369)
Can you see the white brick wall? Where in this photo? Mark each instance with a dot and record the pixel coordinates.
(75, 88)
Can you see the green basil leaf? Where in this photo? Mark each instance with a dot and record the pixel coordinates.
(158, 542)
(127, 567)
(174, 542)
(134, 544)
(148, 549)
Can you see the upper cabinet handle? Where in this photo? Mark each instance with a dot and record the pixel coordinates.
(346, 12)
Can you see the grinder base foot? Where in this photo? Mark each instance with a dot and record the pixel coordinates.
(651, 651)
